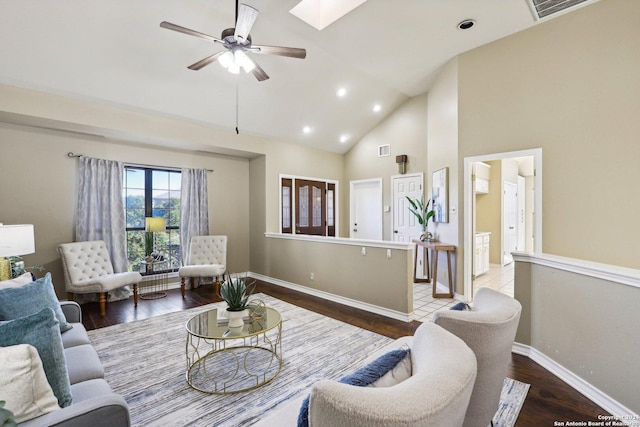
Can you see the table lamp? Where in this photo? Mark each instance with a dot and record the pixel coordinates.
(15, 240)
(152, 225)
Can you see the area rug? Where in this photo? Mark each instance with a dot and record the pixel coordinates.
(145, 362)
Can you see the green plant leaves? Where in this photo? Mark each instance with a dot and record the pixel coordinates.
(236, 292)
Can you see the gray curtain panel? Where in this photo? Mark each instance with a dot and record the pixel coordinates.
(100, 213)
(194, 208)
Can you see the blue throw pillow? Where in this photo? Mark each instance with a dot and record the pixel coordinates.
(41, 330)
(31, 298)
(461, 306)
(362, 377)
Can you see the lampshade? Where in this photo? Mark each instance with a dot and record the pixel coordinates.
(154, 224)
(16, 240)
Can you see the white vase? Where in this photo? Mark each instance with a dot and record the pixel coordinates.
(236, 318)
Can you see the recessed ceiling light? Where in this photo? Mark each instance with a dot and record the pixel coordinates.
(377, 108)
(344, 138)
(306, 129)
(341, 92)
(466, 24)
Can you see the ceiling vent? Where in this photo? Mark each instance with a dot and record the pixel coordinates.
(544, 8)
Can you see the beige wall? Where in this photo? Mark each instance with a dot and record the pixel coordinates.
(591, 332)
(342, 270)
(570, 86)
(405, 129)
(40, 188)
(489, 212)
(442, 148)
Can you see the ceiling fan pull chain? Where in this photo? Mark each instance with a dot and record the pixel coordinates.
(237, 107)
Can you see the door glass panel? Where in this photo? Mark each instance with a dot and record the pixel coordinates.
(286, 207)
(330, 212)
(303, 205)
(317, 207)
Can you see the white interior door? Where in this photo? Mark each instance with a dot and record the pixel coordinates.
(405, 225)
(510, 222)
(365, 214)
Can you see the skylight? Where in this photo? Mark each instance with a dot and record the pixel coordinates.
(321, 13)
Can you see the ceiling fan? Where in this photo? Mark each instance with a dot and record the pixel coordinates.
(237, 42)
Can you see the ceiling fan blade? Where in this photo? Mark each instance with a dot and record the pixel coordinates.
(178, 28)
(246, 18)
(259, 73)
(292, 52)
(206, 61)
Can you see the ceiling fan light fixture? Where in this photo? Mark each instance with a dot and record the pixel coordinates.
(226, 60)
(243, 61)
(234, 68)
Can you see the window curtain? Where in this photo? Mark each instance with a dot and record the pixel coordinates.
(194, 208)
(100, 213)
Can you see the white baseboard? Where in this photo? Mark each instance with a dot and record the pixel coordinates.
(393, 314)
(605, 401)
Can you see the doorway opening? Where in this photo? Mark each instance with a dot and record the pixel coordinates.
(503, 205)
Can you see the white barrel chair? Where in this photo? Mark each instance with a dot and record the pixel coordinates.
(489, 329)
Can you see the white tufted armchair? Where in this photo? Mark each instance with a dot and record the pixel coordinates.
(88, 269)
(207, 257)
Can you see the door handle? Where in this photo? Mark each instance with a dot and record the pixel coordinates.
(511, 228)
(395, 231)
(355, 229)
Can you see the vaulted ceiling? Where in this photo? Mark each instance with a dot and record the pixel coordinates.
(114, 51)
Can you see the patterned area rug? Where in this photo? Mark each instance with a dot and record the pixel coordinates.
(145, 362)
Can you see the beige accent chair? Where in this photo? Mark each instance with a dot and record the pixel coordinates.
(87, 269)
(489, 329)
(207, 257)
(436, 394)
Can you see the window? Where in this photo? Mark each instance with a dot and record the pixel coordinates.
(147, 193)
(311, 204)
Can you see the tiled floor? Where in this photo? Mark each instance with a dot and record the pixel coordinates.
(498, 278)
(424, 305)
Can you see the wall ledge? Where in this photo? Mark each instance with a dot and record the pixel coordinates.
(600, 398)
(344, 241)
(622, 275)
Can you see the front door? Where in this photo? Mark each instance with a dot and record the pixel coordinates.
(311, 212)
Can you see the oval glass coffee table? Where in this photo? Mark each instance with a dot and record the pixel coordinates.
(222, 361)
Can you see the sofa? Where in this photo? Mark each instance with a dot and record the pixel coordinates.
(94, 403)
(434, 389)
(50, 373)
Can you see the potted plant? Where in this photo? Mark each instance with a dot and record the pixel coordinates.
(422, 212)
(235, 292)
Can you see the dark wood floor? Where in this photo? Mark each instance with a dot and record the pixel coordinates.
(549, 399)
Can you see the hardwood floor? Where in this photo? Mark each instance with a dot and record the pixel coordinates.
(549, 399)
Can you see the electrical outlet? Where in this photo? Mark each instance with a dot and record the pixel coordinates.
(311, 277)
(388, 253)
(364, 251)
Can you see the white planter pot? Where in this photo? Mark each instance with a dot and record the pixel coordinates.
(236, 318)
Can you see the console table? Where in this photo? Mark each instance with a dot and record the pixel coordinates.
(436, 248)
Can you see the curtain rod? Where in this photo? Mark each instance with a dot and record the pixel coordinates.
(72, 155)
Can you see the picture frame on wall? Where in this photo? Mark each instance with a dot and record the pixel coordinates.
(440, 195)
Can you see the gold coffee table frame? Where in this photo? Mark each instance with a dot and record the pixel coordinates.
(223, 362)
